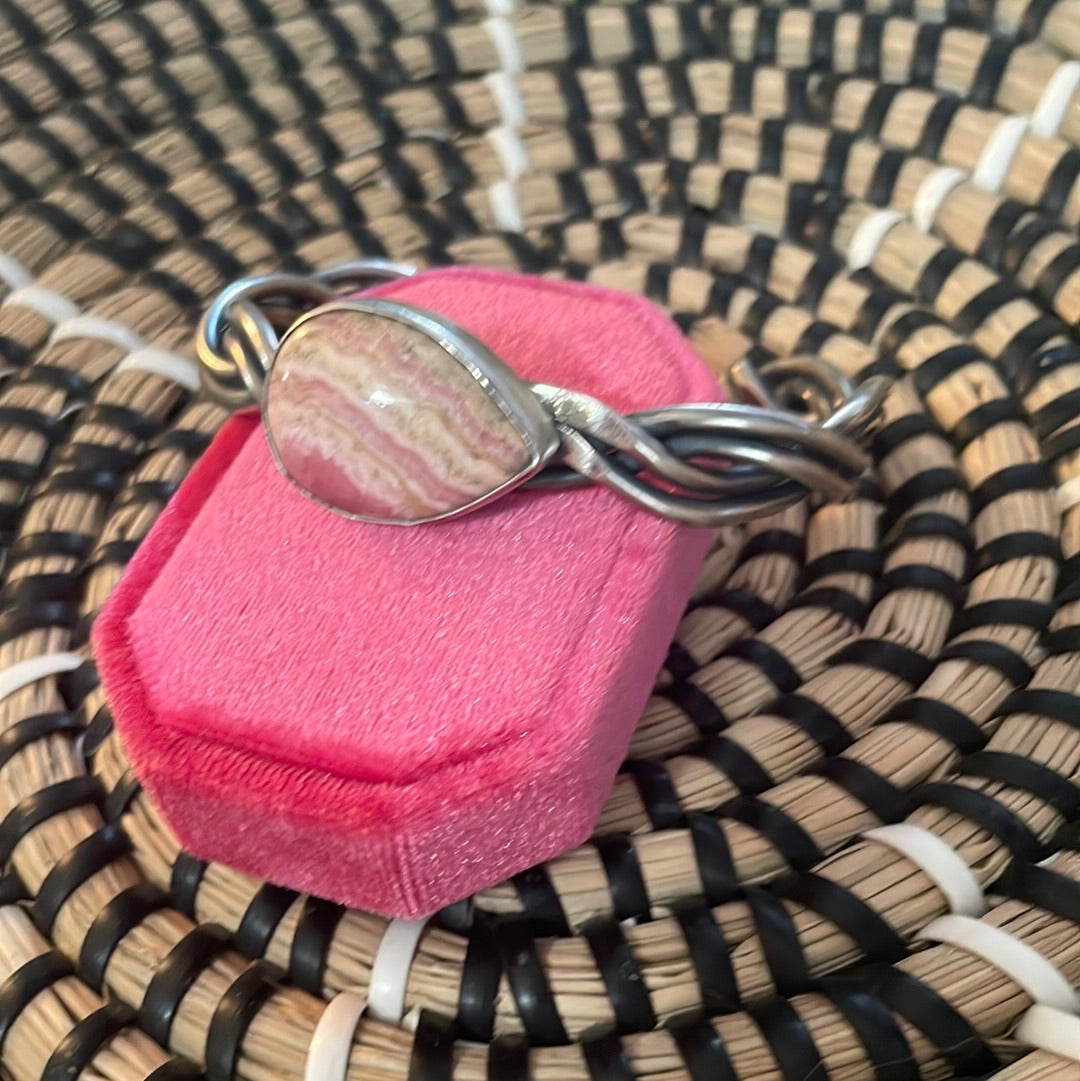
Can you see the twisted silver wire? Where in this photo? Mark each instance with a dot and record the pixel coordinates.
(702, 464)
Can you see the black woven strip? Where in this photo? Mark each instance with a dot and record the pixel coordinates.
(175, 1070)
(63, 84)
(1008, 611)
(814, 337)
(942, 365)
(508, 1059)
(1060, 182)
(621, 974)
(1034, 16)
(1064, 442)
(1060, 706)
(772, 664)
(1022, 241)
(97, 732)
(1062, 640)
(925, 485)
(432, 1057)
(742, 88)
(986, 813)
(770, 147)
(876, 1028)
(789, 1040)
(777, 827)
(74, 686)
(835, 162)
(541, 902)
(606, 1058)
(1026, 775)
(921, 577)
(123, 792)
(174, 976)
(709, 955)
(1054, 275)
(479, 984)
(759, 312)
(34, 545)
(984, 84)
(679, 662)
(885, 656)
(26, 30)
(998, 229)
(1068, 580)
(822, 40)
(712, 854)
(314, 933)
(31, 729)
(31, 811)
(129, 421)
(939, 268)
(1016, 355)
(82, 1043)
(41, 588)
(1019, 545)
(922, 1007)
(882, 798)
(1029, 476)
(841, 561)
(626, 884)
(184, 882)
(774, 542)
(12, 891)
(657, 793)
(780, 944)
(30, 420)
(695, 223)
(232, 1016)
(1061, 410)
(75, 867)
(702, 711)
(1003, 660)
(1042, 887)
(877, 108)
(16, 104)
(261, 918)
(528, 983)
(114, 922)
(701, 1049)
(851, 915)
(876, 305)
(25, 984)
(938, 717)
(902, 430)
(657, 282)
(117, 553)
(984, 417)
(737, 764)
(812, 718)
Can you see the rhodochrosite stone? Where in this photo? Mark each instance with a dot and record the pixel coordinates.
(376, 419)
(396, 717)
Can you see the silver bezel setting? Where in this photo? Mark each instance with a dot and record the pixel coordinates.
(530, 420)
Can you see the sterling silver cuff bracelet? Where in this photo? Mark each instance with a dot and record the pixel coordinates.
(387, 413)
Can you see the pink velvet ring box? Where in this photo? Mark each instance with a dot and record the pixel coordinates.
(389, 717)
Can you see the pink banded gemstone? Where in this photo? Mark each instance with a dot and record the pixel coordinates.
(374, 418)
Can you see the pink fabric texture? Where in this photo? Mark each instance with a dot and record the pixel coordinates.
(394, 718)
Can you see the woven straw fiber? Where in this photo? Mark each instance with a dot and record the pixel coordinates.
(910, 657)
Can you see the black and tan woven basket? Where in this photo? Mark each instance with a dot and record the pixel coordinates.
(910, 657)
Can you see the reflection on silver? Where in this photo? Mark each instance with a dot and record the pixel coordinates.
(800, 428)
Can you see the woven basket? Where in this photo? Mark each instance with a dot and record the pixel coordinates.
(909, 657)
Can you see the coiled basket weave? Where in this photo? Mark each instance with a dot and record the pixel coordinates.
(749, 907)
